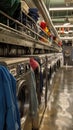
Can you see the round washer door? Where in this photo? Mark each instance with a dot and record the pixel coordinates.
(23, 97)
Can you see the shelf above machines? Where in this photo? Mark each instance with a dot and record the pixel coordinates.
(22, 35)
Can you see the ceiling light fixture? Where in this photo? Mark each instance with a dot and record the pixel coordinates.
(66, 38)
(61, 9)
(66, 26)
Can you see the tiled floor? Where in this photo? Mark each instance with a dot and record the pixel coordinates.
(59, 112)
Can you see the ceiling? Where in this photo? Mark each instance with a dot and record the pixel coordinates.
(61, 13)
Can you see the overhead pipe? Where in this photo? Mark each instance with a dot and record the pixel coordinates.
(45, 13)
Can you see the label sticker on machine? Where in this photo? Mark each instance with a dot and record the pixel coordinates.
(13, 71)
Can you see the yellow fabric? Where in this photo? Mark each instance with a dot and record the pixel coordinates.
(47, 31)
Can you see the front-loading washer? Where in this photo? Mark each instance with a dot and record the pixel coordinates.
(41, 85)
(19, 68)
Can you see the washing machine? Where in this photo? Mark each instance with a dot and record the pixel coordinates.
(19, 67)
(41, 59)
(50, 63)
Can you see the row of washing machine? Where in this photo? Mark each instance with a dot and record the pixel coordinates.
(20, 69)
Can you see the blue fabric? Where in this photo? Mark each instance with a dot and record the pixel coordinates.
(33, 10)
(33, 17)
(24, 18)
(38, 60)
(33, 14)
(9, 114)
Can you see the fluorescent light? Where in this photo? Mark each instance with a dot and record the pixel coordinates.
(66, 38)
(61, 9)
(66, 26)
(66, 32)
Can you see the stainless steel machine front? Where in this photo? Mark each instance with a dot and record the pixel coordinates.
(19, 67)
(41, 94)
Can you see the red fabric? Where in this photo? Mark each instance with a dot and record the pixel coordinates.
(33, 63)
(54, 37)
(62, 29)
(43, 25)
(60, 43)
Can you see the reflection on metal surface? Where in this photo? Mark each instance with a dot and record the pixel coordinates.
(50, 102)
(51, 80)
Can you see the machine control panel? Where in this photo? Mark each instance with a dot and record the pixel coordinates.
(13, 71)
(17, 67)
(20, 68)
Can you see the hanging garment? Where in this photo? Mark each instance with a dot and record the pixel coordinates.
(34, 64)
(33, 96)
(41, 75)
(9, 114)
